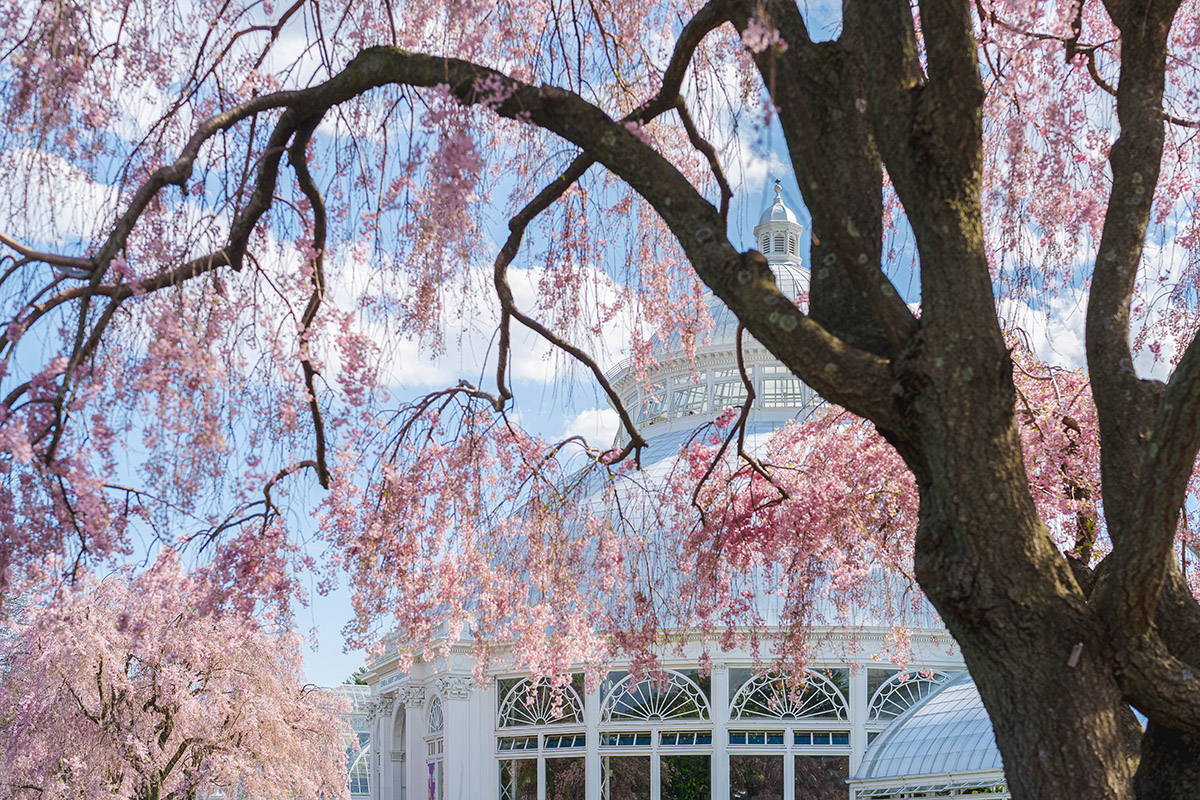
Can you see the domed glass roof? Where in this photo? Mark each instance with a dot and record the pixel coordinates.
(792, 281)
(947, 731)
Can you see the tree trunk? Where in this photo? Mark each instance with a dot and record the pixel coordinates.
(988, 564)
(1170, 769)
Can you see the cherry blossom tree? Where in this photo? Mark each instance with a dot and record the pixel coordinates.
(140, 688)
(223, 218)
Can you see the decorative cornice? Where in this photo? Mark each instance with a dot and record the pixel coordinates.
(454, 687)
(411, 695)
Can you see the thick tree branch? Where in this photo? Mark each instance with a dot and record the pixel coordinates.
(1163, 687)
(858, 380)
(840, 177)
(80, 266)
(1142, 556)
(930, 135)
(1135, 416)
(1125, 404)
(299, 160)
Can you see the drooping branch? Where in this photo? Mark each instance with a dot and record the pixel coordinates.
(856, 379)
(299, 160)
(705, 21)
(738, 430)
(710, 155)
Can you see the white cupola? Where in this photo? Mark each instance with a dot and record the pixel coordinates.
(777, 234)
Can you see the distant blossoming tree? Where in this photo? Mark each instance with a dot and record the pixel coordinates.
(140, 689)
(223, 221)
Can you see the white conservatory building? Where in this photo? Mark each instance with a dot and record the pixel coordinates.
(860, 729)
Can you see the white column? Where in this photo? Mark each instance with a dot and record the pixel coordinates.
(414, 734)
(720, 732)
(376, 751)
(789, 765)
(858, 716)
(485, 775)
(591, 764)
(383, 749)
(460, 752)
(655, 768)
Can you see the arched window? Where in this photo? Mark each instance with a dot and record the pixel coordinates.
(435, 750)
(901, 691)
(768, 696)
(765, 243)
(543, 704)
(671, 696)
(779, 243)
(437, 722)
(397, 757)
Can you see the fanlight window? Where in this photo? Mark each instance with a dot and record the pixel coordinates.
(526, 704)
(894, 696)
(437, 722)
(673, 696)
(767, 697)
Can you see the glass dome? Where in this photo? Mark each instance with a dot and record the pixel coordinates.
(948, 731)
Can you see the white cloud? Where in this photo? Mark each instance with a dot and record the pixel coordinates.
(469, 323)
(1055, 333)
(46, 200)
(597, 425)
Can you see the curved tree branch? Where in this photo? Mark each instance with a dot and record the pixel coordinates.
(299, 161)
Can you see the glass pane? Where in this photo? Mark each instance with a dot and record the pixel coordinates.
(756, 778)
(822, 777)
(653, 408)
(877, 678)
(565, 779)
(782, 393)
(728, 393)
(518, 779)
(688, 400)
(685, 777)
(625, 777)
